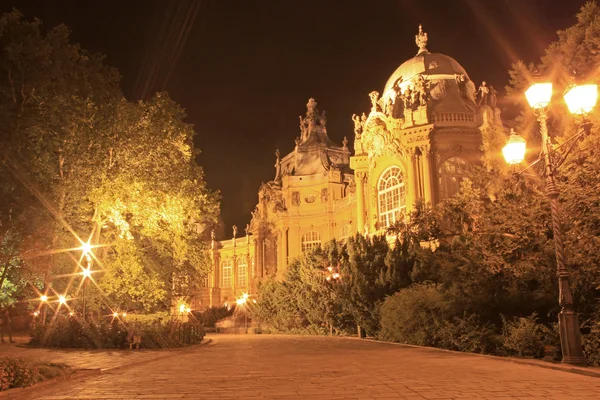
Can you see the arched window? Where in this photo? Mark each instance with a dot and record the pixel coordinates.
(392, 196)
(242, 272)
(227, 271)
(310, 240)
(452, 172)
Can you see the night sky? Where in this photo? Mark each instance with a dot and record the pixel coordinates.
(247, 67)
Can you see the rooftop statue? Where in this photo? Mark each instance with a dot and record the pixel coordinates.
(421, 39)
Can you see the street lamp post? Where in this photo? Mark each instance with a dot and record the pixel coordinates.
(580, 100)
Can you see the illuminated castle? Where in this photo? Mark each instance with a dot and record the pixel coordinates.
(418, 141)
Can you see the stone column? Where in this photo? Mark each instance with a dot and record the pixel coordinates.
(360, 201)
(427, 181)
(411, 181)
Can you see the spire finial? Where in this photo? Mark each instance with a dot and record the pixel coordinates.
(421, 39)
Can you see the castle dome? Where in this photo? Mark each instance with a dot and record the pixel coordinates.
(425, 63)
(450, 90)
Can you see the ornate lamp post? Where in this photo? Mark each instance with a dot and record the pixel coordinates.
(580, 100)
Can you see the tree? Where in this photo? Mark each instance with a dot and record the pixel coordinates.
(573, 58)
(81, 160)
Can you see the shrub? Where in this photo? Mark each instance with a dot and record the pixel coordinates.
(525, 337)
(470, 335)
(591, 345)
(108, 334)
(4, 382)
(210, 316)
(17, 372)
(415, 315)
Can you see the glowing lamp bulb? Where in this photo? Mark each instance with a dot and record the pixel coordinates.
(581, 99)
(43, 298)
(115, 314)
(36, 313)
(514, 150)
(539, 95)
(124, 314)
(62, 299)
(187, 310)
(71, 314)
(86, 248)
(86, 273)
(182, 308)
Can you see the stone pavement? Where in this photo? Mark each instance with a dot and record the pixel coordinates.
(294, 367)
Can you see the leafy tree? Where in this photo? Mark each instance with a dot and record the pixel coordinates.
(83, 160)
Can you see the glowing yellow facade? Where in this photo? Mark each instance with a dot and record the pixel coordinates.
(417, 142)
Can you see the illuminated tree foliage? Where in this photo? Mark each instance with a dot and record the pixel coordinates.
(573, 58)
(78, 158)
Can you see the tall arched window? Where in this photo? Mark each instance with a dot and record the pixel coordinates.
(242, 274)
(452, 172)
(310, 240)
(392, 196)
(227, 271)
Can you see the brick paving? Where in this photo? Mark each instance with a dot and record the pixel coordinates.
(293, 367)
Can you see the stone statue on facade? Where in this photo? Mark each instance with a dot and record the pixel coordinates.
(277, 165)
(421, 89)
(466, 87)
(247, 229)
(235, 229)
(345, 143)
(407, 98)
(374, 96)
(358, 126)
(484, 94)
(493, 97)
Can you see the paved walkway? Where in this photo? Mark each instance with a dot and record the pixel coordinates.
(292, 367)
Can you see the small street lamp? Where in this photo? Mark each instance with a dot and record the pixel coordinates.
(580, 100)
(242, 303)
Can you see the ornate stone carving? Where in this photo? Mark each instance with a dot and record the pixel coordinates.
(421, 39)
(352, 186)
(313, 124)
(374, 96)
(235, 229)
(324, 195)
(296, 198)
(466, 88)
(311, 198)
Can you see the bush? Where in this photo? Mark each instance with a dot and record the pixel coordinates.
(591, 345)
(108, 334)
(17, 372)
(209, 317)
(525, 337)
(470, 335)
(415, 315)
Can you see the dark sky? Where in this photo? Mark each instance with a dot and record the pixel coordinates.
(248, 67)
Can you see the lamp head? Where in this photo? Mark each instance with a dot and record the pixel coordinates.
(514, 150)
(539, 95)
(581, 99)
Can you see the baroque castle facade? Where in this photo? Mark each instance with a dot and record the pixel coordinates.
(418, 141)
